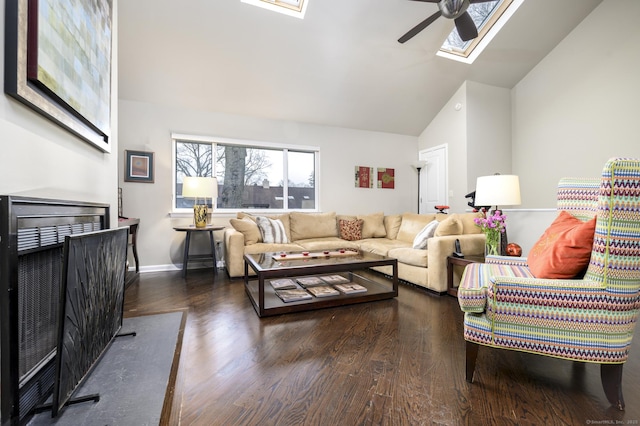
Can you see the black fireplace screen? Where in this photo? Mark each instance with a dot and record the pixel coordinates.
(91, 305)
(32, 233)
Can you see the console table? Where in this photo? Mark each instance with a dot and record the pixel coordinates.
(187, 257)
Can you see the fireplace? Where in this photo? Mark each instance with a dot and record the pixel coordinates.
(32, 234)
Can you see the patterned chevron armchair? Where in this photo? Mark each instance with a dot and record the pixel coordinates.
(589, 318)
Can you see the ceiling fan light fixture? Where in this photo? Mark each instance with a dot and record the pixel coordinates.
(451, 9)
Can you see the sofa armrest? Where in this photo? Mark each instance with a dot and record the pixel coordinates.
(234, 252)
(441, 247)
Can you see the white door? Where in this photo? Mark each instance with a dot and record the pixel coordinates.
(433, 179)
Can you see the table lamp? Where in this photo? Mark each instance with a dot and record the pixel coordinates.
(498, 190)
(200, 188)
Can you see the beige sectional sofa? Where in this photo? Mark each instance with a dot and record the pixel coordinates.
(390, 235)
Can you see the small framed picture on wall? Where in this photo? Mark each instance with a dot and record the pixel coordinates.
(139, 166)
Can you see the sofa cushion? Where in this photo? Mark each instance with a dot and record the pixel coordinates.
(271, 230)
(350, 230)
(449, 226)
(564, 250)
(392, 225)
(312, 225)
(340, 217)
(373, 226)
(421, 240)
(269, 248)
(249, 229)
(410, 256)
(326, 243)
(468, 225)
(284, 218)
(411, 224)
(381, 246)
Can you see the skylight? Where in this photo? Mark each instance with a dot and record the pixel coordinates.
(489, 17)
(294, 8)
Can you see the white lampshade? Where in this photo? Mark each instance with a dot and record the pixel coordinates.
(498, 190)
(199, 187)
(420, 164)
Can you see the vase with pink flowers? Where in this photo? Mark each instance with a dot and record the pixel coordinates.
(493, 227)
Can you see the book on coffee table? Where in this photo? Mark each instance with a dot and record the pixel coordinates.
(293, 295)
(334, 279)
(284, 284)
(323, 291)
(350, 288)
(310, 281)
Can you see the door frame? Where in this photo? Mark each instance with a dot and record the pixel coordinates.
(422, 154)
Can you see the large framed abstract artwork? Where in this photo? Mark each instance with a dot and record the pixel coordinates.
(58, 62)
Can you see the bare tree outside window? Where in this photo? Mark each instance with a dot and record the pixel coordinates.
(193, 159)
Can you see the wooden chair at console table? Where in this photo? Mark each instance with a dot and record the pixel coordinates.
(132, 223)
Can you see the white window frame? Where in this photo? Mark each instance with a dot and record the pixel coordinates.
(214, 140)
(296, 9)
(491, 27)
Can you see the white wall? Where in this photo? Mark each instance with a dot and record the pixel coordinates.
(579, 106)
(450, 127)
(148, 127)
(476, 125)
(41, 159)
(488, 131)
(572, 112)
(575, 110)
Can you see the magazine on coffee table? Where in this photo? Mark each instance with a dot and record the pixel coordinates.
(310, 281)
(350, 288)
(293, 295)
(334, 279)
(323, 291)
(284, 284)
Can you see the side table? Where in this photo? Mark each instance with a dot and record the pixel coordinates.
(462, 261)
(186, 257)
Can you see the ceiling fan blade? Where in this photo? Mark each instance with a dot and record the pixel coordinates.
(466, 28)
(474, 1)
(421, 26)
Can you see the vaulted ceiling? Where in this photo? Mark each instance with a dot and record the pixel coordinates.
(340, 66)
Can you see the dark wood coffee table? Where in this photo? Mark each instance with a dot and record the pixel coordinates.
(356, 268)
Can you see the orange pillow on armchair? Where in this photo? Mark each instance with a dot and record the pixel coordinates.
(564, 250)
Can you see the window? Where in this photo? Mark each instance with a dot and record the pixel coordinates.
(489, 17)
(251, 175)
(295, 8)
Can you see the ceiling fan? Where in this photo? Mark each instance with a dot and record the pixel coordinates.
(450, 9)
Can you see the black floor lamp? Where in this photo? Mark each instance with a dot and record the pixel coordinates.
(419, 165)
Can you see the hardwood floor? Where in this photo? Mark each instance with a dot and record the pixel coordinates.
(392, 362)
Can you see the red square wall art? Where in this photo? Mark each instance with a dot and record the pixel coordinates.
(364, 177)
(386, 178)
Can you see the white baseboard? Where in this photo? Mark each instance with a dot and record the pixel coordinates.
(171, 267)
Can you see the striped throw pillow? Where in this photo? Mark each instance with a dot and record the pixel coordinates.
(272, 230)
